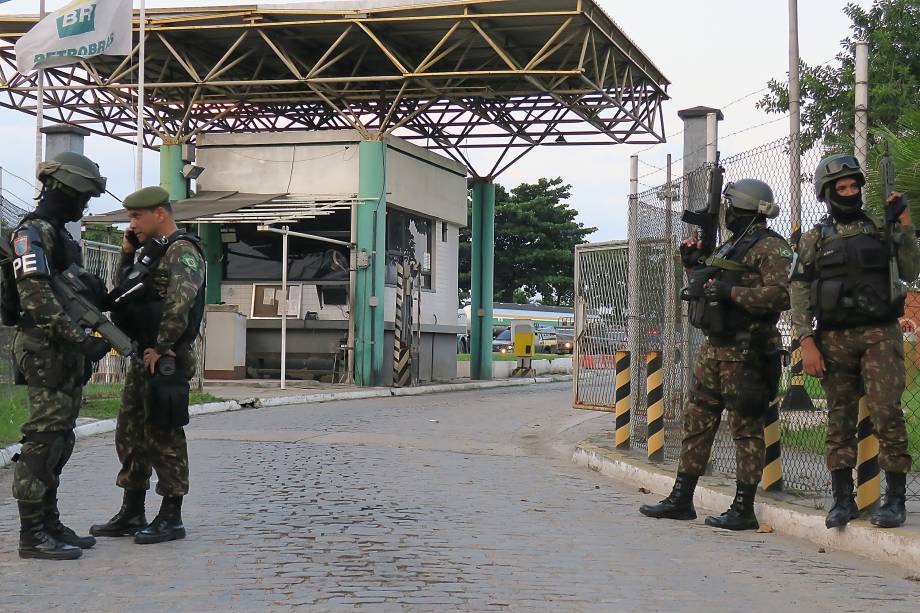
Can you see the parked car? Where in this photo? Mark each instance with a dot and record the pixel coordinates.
(503, 343)
(546, 339)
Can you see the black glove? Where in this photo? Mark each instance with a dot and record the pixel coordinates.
(894, 209)
(690, 256)
(720, 291)
(94, 348)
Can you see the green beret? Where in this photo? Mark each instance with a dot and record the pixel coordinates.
(146, 198)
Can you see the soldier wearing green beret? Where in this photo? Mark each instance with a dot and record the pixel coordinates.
(159, 302)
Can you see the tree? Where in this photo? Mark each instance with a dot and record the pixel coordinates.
(102, 233)
(904, 142)
(892, 28)
(535, 238)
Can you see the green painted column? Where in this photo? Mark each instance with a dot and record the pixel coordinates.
(482, 257)
(171, 180)
(370, 243)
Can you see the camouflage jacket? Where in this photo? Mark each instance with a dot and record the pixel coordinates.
(176, 279)
(802, 314)
(36, 297)
(763, 291)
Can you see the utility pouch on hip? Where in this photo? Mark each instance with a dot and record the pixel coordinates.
(168, 395)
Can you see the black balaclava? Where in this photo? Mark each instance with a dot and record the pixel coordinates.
(738, 220)
(60, 207)
(844, 208)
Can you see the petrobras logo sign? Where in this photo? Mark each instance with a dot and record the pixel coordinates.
(78, 21)
(82, 29)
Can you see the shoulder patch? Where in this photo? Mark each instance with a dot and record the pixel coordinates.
(21, 245)
(785, 251)
(189, 261)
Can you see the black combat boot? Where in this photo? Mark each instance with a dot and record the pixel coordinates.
(34, 540)
(740, 515)
(129, 519)
(166, 526)
(678, 504)
(844, 508)
(892, 513)
(54, 526)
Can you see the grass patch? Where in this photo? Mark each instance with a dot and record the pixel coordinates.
(102, 401)
(504, 357)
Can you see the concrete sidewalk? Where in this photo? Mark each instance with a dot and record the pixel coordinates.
(801, 517)
(255, 394)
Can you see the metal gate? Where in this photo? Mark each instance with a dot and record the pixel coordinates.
(601, 280)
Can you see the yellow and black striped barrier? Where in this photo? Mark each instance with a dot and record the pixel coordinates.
(772, 480)
(622, 400)
(868, 477)
(654, 381)
(402, 356)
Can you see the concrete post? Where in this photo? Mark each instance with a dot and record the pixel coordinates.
(482, 256)
(701, 137)
(861, 134)
(58, 139)
(632, 269)
(370, 244)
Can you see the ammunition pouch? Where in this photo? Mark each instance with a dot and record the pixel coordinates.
(168, 394)
(40, 362)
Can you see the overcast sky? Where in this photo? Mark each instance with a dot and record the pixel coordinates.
(713, 51)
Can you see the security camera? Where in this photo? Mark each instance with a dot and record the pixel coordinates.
(192, 171)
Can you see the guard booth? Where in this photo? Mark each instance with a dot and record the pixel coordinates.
(250, 186)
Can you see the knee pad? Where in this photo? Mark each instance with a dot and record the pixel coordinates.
(42, 453)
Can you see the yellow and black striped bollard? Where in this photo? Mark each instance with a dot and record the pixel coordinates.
(402, 363)
(654, 381)
(622, 399)
(868, 478)
(772, 480)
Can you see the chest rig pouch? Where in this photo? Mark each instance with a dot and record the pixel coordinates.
(850, 286)
(721, 322)
(138, 308)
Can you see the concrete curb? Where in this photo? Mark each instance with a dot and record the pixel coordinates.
(895, 546)
(103, 426)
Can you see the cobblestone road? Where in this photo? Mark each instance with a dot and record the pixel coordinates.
(459, 501)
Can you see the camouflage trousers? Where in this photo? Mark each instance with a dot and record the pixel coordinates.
(54, 375)
(143, 447)
(712, 382)
(866, 360)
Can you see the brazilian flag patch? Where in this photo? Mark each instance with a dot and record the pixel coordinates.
(190, 262)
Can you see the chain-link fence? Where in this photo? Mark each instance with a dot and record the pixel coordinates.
(601, 279)
(10, 214)
(661, 317)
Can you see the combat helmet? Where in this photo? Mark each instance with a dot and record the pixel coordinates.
(835, 167)
(72, 172)
(751, 196)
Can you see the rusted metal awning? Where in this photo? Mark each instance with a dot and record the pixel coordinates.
(236, 207)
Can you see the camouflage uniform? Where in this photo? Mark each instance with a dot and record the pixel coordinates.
(866, 359)
(717, 370)
(142, 446)
(47, 356)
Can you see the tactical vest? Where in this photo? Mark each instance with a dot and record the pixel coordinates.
(722, 322)
(851, 284)
(140, 317)
(64, 252)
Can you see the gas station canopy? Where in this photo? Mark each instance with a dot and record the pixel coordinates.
(451, 76)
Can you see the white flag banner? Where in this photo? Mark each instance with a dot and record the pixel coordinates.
(79, 30)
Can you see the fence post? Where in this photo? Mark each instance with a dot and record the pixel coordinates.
(632, 265)
(670, 299)
(622, 400)
(655, 408)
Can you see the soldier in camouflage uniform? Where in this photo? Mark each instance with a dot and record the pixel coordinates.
(162, 285)
(735, 297)
(840, 278)
(51, 351)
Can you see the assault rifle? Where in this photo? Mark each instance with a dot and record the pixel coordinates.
(708, 219)
(69, 289)
(896, 288)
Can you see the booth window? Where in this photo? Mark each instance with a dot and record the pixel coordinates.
(408, 233)
(255, 256)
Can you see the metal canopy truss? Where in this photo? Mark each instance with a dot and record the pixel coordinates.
(235, 207)
(452, 76)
